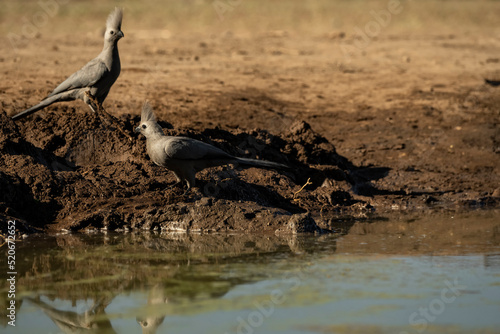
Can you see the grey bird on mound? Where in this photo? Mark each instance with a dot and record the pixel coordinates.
(186, 156)
(93, 81)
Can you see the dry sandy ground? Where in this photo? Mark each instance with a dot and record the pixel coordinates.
(402, 122)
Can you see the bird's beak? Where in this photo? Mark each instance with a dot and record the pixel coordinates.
(137, 129)
(121, 34)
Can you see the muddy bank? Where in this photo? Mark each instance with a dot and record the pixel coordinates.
(75, 171)
(72, 170)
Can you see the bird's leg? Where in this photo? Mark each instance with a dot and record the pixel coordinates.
(187, 191)
(177, 178)
(190, 183)
(92, 102)
(178, 182)
(91, 108)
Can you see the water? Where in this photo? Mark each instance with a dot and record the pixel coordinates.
(427, 275)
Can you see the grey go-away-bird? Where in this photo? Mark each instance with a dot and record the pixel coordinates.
(186, 156)
(94, 80)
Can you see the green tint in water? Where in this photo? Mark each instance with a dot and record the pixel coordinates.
(430, 275)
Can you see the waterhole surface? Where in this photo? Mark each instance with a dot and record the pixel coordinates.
(434, 274)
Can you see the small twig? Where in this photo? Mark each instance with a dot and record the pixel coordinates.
(302, 188)
(321, 211)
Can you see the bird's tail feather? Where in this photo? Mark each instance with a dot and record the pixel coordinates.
(46, 102)
(261, 163)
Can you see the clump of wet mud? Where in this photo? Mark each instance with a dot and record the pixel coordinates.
(75, 171)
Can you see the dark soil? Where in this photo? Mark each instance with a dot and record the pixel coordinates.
(93, 176)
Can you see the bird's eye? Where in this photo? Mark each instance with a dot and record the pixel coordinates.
(112, 32)
(144, 126)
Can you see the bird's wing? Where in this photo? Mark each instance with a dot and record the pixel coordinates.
(87, 76)
(184, 148)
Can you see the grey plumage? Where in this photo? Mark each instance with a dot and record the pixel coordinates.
(95, 78)
(186, 156)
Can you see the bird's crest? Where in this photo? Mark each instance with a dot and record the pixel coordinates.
(147, 113)
(115, 19)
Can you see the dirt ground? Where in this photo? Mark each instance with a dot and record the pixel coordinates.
(399, 123)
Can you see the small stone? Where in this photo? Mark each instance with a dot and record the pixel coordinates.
(299, 127)
(300, 223)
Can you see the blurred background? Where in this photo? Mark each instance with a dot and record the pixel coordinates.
(254, 16)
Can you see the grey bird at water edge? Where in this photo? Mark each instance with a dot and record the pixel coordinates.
(186, 156)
